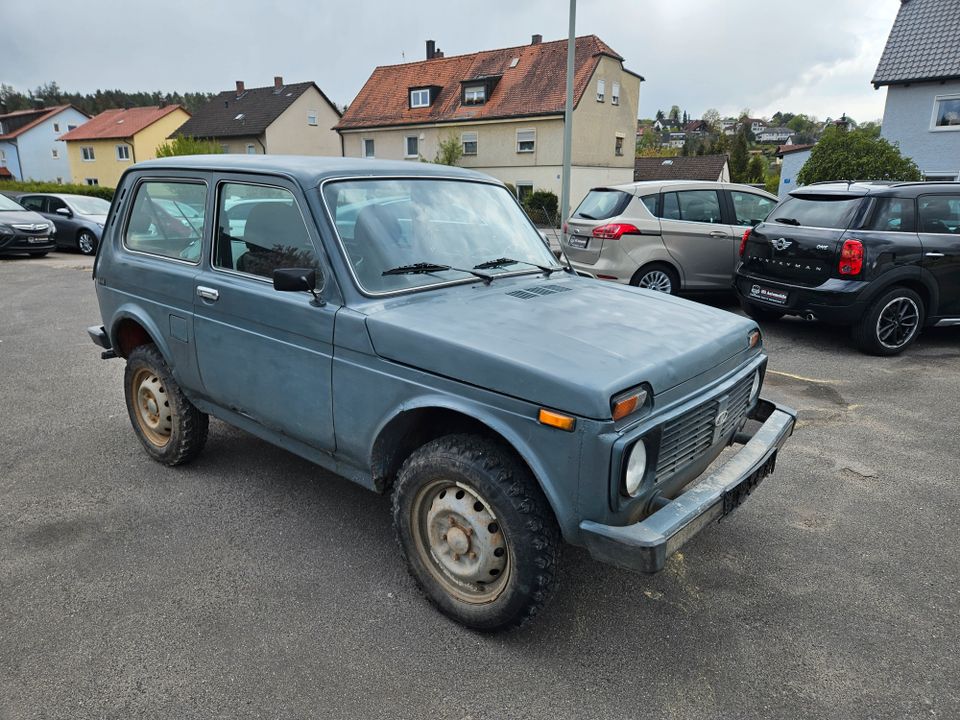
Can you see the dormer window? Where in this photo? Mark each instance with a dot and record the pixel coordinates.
(601, 90)
(420, 98)
(474, 94)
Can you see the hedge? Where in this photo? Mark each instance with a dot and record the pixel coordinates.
(35, 186)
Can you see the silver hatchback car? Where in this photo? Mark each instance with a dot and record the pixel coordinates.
(665, 235)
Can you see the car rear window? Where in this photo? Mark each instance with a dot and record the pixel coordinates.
(826, 211)
(602, 204)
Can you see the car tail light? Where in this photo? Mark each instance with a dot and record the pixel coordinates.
(613, 231)
(851, 257)
(565, 229)
(743, 240)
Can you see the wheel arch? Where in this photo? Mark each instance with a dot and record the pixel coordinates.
(132, 328)
(667, 262)
(922, 283)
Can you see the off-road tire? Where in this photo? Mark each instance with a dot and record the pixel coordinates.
(187, 428)
(531, 535)
(659, 271)
(865, 332)
(761, 314)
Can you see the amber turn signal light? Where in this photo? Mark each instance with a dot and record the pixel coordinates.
(623, 405)
(753, 338)
(557, 420)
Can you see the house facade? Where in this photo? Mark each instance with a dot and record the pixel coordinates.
(779, 135)
(280, 119)
(505, 110)
(793, 158)
(103, 148)
(28, 143)
(920, 68)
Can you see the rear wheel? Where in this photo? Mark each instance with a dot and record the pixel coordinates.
(891, 323)
(476, 531)
(657, 276)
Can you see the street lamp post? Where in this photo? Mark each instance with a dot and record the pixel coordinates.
(568, 119)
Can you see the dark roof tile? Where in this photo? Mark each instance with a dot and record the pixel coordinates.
(693, 167)
(924, 43)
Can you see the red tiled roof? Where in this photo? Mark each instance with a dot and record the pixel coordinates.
(536, 86)
(120, 123)
(41, 115)
(5, 173)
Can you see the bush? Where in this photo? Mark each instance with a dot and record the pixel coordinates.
(36, 186)
(182, 145)
(541, 206)
(856, 155)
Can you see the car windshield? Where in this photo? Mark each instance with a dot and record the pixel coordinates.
(90, 205)
(8, 204)
(826, 211)
(385, 225)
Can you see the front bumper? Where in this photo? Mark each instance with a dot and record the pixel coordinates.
(646, 545)
(26, 244)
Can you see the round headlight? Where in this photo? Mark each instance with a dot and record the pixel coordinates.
(636, 465)
(755, 388)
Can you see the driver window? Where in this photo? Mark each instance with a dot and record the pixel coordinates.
(260, 229)
(940, 214)
(167, 219)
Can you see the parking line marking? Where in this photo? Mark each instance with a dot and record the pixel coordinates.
(801, 378)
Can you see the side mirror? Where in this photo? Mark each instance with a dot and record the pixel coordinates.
(297, 280)
(65, 212)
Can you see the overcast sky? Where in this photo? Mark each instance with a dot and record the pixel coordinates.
(813, 56)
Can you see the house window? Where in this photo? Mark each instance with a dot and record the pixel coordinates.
(55, 153)
(87, 153)
(474, 95)
(56, 127)
(312, 117)
(71, 127)
(524, 190)
(615, 94)
(59, 180)
(526, 141)
(251, 149)
(618, 145)
(420, 98)
(469, 140)
(3, 159)
(601, 89)
(91, 181)
(123, 152)
(224, 148)
(411, 145)
(368, 148)
(946, 113)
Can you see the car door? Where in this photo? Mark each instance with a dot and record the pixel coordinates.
(694, 233)
(264, 354)
(939, 225)
(66, 226)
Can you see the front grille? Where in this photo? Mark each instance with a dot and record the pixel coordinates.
(685, 439)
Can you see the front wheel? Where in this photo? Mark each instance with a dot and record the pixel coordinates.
(170, 428)
(657, 276)
(891, 323)
(87, 242)
(476, 532)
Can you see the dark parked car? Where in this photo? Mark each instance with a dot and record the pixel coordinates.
(79, 219)
(403, 324)
(883, 258)
(23, 231)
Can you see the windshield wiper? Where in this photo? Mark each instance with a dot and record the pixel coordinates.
(787, 221)
(500, 262)
(423, 268)
(584, 215)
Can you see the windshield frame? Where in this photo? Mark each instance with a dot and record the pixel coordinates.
(468, 280)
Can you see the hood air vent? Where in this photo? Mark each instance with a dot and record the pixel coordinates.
(538, 290)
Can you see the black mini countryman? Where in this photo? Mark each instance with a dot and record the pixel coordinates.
(882, 258)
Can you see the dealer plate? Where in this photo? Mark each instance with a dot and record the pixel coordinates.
(577, 241)
(734, 497)
(37, 240)
(770, 295)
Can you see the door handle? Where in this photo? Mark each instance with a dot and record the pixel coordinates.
(933, 254)
(208, 293)
(718, 234)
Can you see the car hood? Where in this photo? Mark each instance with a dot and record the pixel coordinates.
(9, 217)
(569, 343)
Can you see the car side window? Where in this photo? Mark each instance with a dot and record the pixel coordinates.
(891, 214)
(651, 202)
(32, 203)
(54, 204)
(940, 214)
(167, 219)
(259, 229)
(671, 209)
(701, 206)
(750, 209)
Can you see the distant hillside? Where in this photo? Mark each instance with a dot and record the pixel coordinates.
(50, 93)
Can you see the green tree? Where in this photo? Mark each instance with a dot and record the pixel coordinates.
(712, 118)
(182, 145)
(675, 113)
(856, 155)
(772, 183)
(739, 157)
(756, 169)
(449, 152)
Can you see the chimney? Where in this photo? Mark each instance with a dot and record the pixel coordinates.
(277, 82)
(239, 88)
(536, 39)
(438, 54)
(431, 49)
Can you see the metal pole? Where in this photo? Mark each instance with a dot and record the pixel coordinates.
(568, 119)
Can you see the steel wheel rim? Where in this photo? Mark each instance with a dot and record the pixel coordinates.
(151, 406)
(459, 540)
(897, 323)
(85, 242)
(656, 280)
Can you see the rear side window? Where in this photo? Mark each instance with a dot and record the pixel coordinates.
(692, 206)
(826, 211)
(940, 214)
(652, 204)
(167, 219)
(891, 214)
(602, 204)
(750, 209)
(33, 203)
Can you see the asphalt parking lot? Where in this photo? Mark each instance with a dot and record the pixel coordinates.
(253, 584)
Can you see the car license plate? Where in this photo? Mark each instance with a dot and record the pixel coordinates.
(576, 241)
(734, 497)
(777, 297)
(37, 240)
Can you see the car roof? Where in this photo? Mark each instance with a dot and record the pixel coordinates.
(309, 170)
(884, 188)
(62, 196)
(658, 185)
